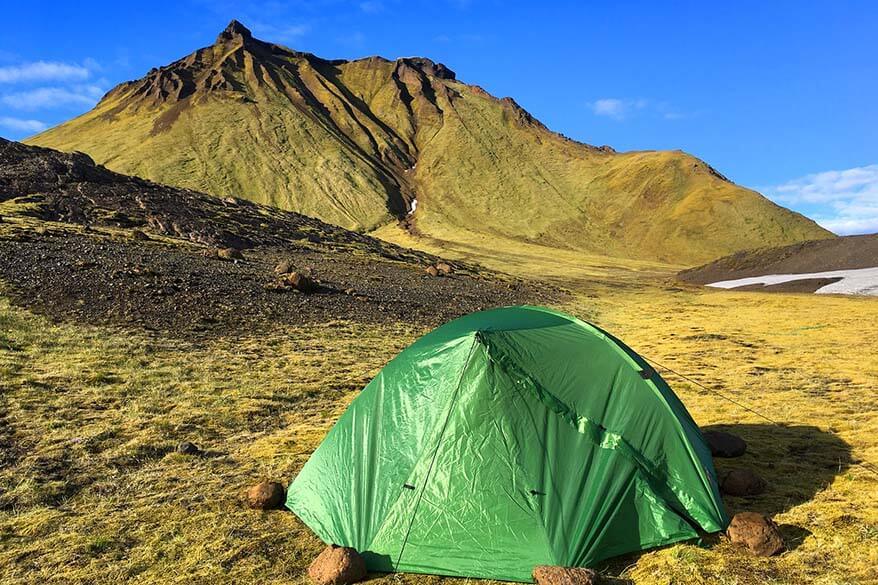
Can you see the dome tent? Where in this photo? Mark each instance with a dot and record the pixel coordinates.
(507, 439)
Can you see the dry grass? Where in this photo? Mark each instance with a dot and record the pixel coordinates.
(92, 492)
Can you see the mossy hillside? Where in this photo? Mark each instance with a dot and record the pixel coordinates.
(355, 142)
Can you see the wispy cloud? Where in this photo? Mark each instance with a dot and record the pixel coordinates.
(623, 108)
(52, 97)
(617, 108)
(846, 201)
(37, 71)
(21, 125)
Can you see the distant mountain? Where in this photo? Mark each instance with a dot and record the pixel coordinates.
(363, 143)
(847, 265)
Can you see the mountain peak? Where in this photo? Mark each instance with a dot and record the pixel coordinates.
(234, 30)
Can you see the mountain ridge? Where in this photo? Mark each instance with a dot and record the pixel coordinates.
(363, 143)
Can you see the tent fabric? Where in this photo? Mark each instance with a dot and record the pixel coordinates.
(507, 439)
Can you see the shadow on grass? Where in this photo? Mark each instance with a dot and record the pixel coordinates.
(797, 462)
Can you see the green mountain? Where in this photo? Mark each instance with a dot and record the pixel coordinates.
(363, 143)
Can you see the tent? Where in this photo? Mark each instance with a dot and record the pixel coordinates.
(507, 439)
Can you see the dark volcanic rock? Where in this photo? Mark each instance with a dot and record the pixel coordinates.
(188, 448)
(175, 284)
(337, 565)
(757, 532)
(724, 444)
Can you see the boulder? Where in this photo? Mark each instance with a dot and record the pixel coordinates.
(337, 565)
(444, 269)
(724, 444)
(266, 495)
(301, 282)
(549, 575)
(283, 267)
(431, 270)
(743, 482)
(757, 532)
(188, 448)
(230, 254)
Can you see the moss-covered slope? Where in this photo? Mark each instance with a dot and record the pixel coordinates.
(356, 142)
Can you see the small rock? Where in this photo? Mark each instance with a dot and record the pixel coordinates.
(431, 270)
(757, 532)
(187, 448)
(230, 254)
(283, 267)
(337, 565)
(549, 575)
(743, 482)
(300, 282)
(724, 444)
(139, 235)
(266, 495)
(444, 269)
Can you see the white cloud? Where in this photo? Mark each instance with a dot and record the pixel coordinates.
(43, 71)
(616, 108)
(847, 200)
(53, 97)
(19, 125)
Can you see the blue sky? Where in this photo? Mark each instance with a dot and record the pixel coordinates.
(779, 96)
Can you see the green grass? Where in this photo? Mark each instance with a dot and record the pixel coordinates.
(93, 492)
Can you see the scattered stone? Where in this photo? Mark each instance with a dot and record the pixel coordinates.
(337, 565)
(139, 235)
(431, 270)
(743, 482)
(444, 269)
(188, 448)
(266, 495)
(230, 254)
(301, 282)
(549, 575)
(757, 532)
(724, 444)
(283, 267)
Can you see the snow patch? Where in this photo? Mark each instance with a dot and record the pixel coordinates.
(862, 281)
(414, 206)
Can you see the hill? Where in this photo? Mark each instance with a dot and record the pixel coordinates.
(79, 242)
(840, 265)
(369, 142)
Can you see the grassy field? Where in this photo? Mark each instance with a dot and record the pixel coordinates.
(91, 490)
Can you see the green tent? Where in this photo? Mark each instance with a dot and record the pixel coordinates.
(507, 439)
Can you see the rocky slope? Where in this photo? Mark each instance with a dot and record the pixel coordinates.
(362, 143)
(815, 264)
(78, 241)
